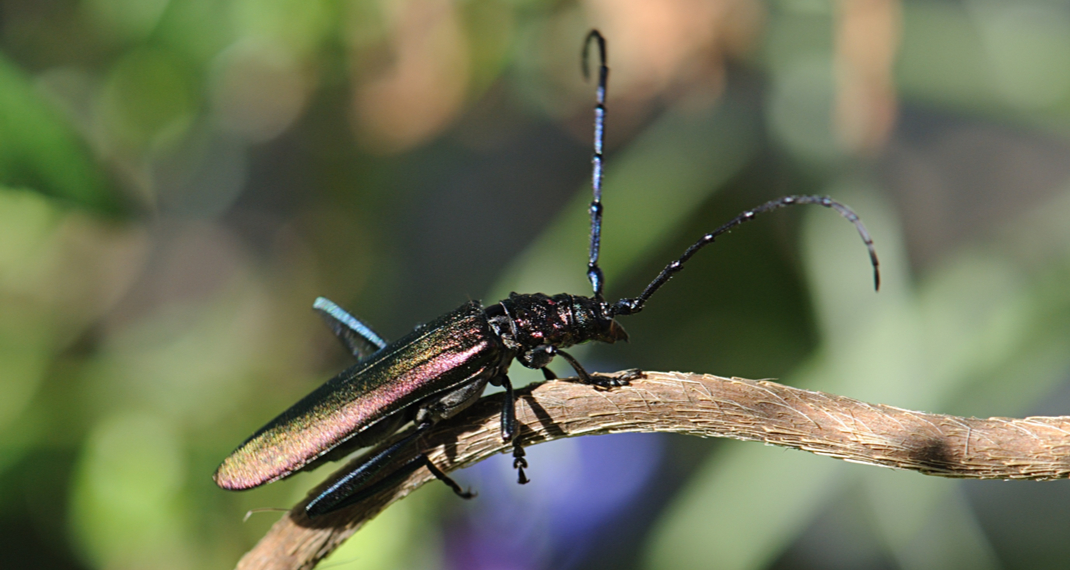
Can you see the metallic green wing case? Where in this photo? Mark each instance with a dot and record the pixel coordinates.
(434, 358)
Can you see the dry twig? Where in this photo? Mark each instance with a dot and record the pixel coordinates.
(1036, 448)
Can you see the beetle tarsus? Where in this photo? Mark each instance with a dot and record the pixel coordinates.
(629, 375)
(520, 463)
(601, 381)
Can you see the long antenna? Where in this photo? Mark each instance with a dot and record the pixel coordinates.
(635, 304)
(594, 273)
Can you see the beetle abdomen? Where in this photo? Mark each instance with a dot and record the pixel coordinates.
(455, 349)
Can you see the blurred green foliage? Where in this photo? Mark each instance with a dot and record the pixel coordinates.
(179, 179)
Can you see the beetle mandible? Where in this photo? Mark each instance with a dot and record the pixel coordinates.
(442, 367)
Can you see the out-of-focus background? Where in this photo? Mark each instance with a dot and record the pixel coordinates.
(179, 179)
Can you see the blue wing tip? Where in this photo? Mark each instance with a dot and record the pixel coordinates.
(325, 304)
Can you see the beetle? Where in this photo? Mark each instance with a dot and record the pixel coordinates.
(443, 366)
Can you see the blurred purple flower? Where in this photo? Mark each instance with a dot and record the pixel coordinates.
(578, 489)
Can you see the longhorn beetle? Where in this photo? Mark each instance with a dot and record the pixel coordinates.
(442, 367)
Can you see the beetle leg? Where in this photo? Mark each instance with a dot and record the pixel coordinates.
(510, 429)
(539, 357)
(354, 486)
(441, 476)
(585, 377)
(359, 339)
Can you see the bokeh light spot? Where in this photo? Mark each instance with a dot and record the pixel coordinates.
(125, 492)
(257, 90)
(147, 94)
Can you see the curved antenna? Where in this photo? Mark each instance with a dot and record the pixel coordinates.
(634, 305)
(594, 273)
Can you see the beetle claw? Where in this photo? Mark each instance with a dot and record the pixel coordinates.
(630, 374)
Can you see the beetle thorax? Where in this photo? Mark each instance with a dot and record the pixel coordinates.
(527, 321)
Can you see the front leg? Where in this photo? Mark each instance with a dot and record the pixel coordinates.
(541, 355)
(586, 377)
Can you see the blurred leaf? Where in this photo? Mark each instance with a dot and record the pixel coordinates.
(196, 29)
(40, 150)
(926, 522)
(148, 99)
(1028, 47)
(27, 220)
(1008, 60)
(741, 509)
(801, 107)
(941, 59)
(130, 20)
(490, 31)
(302, 25)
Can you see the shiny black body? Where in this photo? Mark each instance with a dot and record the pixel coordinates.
(442, 367)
